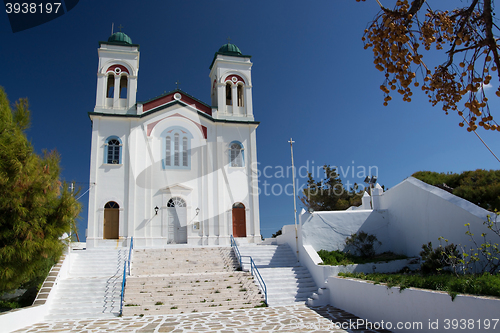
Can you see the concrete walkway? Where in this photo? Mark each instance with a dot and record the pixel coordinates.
(295, 318)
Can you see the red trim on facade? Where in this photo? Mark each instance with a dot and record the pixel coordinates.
(123, 68)
(230, 78)
(170, 97)
(202, 128)
(152, 125)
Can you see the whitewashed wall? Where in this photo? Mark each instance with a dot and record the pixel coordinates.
(420, 213)
(434, 310)
(328, 230)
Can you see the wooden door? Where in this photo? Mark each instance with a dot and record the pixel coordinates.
(239, 222)
(111, 223)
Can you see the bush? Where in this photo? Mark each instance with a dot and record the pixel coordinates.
(362, 243)
(435, 260)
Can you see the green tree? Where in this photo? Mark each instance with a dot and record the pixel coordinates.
(36, 209)
(465, 36)
(480, 187)
(329, 193)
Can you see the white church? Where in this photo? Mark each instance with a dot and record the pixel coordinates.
(173, 169)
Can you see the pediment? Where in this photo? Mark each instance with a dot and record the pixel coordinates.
(177, 189)
(175, 97)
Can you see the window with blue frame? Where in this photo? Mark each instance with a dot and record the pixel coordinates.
(176, 148)
(236, 154)
(113, 151)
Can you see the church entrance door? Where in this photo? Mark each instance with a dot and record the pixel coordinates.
(177, 221)
(239, 221)
(111, 220)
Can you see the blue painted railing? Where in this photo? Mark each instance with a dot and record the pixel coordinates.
(236, 250)
(253, 268)
(124, 280)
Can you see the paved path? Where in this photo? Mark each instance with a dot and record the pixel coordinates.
(295, 318)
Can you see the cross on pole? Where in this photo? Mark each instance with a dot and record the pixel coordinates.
(228, 40)
(177, 83)
(120, 27)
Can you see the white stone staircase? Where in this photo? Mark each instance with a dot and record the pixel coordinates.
(92, 287)
(185, 280)
(286, 280)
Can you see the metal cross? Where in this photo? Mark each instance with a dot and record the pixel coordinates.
(120, 27)
(228, 40)
(177, 83)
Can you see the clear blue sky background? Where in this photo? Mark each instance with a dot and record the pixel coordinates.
(312, 80)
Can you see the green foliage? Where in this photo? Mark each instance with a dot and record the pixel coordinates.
(482, 284)
(329, 193)
(35, 207)
(480, 187)
(362, 244)
(488, 251)
(337, 257)
(435, 260)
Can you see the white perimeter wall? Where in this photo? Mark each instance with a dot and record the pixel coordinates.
(409, 307)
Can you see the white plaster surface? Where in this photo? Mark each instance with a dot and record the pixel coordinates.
(378, 303)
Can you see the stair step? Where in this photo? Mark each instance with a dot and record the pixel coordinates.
(286, 280)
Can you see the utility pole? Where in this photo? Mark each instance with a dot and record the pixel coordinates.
(294, 201)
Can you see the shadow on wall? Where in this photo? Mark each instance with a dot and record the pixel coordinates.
(328, 230)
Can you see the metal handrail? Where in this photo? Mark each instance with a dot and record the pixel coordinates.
(237, 251)
(253, 267)
(130, 253)
(259, 279)
(124, 280)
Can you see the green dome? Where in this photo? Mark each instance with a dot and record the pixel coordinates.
(230, 49)
(120, 37)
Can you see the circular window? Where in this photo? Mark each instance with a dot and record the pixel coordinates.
(234, 79)
(177, 96)
(118, 70)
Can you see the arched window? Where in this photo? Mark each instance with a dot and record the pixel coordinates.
(123, 86)
(176, 202)
(240, 95)
(176, 148)
(113, 151)
(236, 154)
(229, 100)
(110, 88)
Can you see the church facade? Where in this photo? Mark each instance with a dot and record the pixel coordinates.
(173, 169)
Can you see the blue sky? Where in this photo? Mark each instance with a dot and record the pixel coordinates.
(312, 80)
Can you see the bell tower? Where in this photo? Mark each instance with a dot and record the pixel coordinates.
(117, 75)
(231, 80)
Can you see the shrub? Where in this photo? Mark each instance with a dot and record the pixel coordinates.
(362, 243)
(435, 260)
